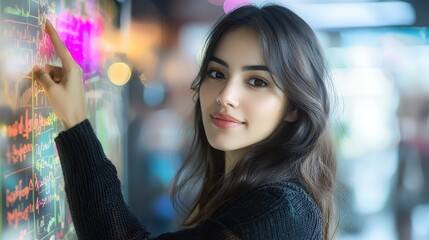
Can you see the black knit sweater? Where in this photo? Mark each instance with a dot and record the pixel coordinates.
(270, 211)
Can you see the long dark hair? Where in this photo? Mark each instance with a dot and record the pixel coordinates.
(299, 150)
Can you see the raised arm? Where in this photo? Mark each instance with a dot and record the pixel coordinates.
(63, 85)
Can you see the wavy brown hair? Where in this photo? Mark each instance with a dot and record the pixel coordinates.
(300, 150)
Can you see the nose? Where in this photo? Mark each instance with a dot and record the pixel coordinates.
(228, 96)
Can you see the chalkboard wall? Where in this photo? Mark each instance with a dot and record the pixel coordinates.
(33, 202)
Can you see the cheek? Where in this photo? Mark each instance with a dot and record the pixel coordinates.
(268, 110)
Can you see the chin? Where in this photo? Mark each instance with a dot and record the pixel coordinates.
(220, 147)
(225, 146)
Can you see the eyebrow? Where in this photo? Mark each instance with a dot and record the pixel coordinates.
(245, 68)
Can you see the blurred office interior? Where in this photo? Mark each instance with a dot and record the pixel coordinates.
(378, 51)
(379, 56)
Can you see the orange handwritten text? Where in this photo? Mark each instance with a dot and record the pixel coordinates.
(21, 127)
(16, 154)
(18, 193)
(26, 124)
(19, 214)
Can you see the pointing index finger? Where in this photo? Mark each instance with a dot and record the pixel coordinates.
(61, 50)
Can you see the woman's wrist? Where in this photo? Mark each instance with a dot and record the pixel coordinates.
(71, 122)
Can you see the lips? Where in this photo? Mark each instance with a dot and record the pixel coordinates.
(223, 120)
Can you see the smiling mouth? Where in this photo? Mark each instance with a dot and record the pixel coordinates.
(225, 121)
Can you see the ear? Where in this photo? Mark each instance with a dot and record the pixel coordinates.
(292, 116)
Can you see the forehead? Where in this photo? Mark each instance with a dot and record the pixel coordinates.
(240, 46)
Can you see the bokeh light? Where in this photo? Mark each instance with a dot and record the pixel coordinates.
(154, 94)
(119, 73)
(230, 5)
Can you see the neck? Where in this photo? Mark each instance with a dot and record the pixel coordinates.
(231, 159)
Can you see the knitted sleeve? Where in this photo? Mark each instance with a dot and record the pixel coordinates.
(273, 211)
(93, 189)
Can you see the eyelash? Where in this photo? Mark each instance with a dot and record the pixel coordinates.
(265, 84)
(211, 72)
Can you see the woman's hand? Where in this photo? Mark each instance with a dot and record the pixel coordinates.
(63, 86)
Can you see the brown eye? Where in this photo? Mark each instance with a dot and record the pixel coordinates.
(256, 82)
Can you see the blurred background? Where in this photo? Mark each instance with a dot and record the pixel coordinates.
(146, 55)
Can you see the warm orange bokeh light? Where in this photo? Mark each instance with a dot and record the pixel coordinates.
(139, 41)
(119, 73)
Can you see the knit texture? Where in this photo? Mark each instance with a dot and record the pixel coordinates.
(270, 211)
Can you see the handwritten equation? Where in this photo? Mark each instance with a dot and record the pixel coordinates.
(33, 198)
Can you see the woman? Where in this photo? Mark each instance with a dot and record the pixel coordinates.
(261, 145)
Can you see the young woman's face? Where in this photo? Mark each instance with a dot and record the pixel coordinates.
(240, 103)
